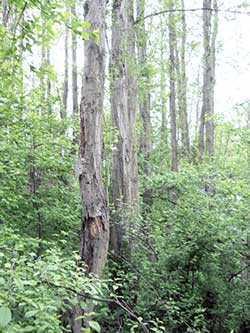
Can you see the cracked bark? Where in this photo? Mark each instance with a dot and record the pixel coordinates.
(95, 221)
(123, 114)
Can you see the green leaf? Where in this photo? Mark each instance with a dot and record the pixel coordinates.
(5, 316)
(95, 326)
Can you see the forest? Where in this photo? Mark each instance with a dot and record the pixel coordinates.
(124, 166)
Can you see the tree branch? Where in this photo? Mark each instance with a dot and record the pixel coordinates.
(230, 11)
(115, 300)
(238, 273)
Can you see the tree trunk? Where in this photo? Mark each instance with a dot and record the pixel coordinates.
(74, 69)
(144, 96)
(123, 113)
(172, 98)
(207, 113)
(4, 13)
(163, 85)
(95, 232)
(66, 75)
(210, 122)
(183, 87)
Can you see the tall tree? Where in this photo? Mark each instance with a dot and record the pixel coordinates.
(74, 67)
(144, 95)
(66, 74)
(210, 121)
(172, 97)
(183, 85)
(163, 85)
(123, 113)
(95, 229)
(206, 131)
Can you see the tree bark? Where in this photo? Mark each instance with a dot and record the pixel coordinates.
(74, 69)
(4, 12)
(163, 85)
(206, 144)
(172, 98)
(183, 86)
(95, 232)
(123, 114)
(210, 121)
(144, 95)
(66, 75)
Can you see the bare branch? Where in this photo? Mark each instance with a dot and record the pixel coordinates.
(115, 300)
(230, 11)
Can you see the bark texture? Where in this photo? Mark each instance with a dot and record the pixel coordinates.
(66, 75)
(206, 131)
(74, 68)
(144, 95)
(172, 97)
(183, 86)
(95, 231)
(123, 113)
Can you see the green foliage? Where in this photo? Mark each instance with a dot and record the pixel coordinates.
(37, 290)
(190, 263)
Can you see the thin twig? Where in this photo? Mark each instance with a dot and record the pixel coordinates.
(239, 272)
(230, 11)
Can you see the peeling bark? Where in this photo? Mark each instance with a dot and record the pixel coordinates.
(123, 114)
(95, 231)
(144, 95)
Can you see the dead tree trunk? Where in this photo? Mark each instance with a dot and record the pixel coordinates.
(144, 96)
(123, 114)
(95, 231)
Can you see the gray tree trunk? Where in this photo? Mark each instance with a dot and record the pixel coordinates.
(74, 69)
(95, 220)
(123, 113)
(183, 86)
(4, 13)
(66, 75)
(144, 95)
(210, 120)
(95, 233)
(163, 85)
(172, 97)
(206, 143)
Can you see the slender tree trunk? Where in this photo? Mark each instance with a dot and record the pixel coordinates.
(4, 12)
(144, 96)
(172, 98)
(123, 113)
(63, 112)
(42, 80)
(163, 85)
(210, 123)
(74, 69)
(48, 80)
(183, 86)
(207, 113)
